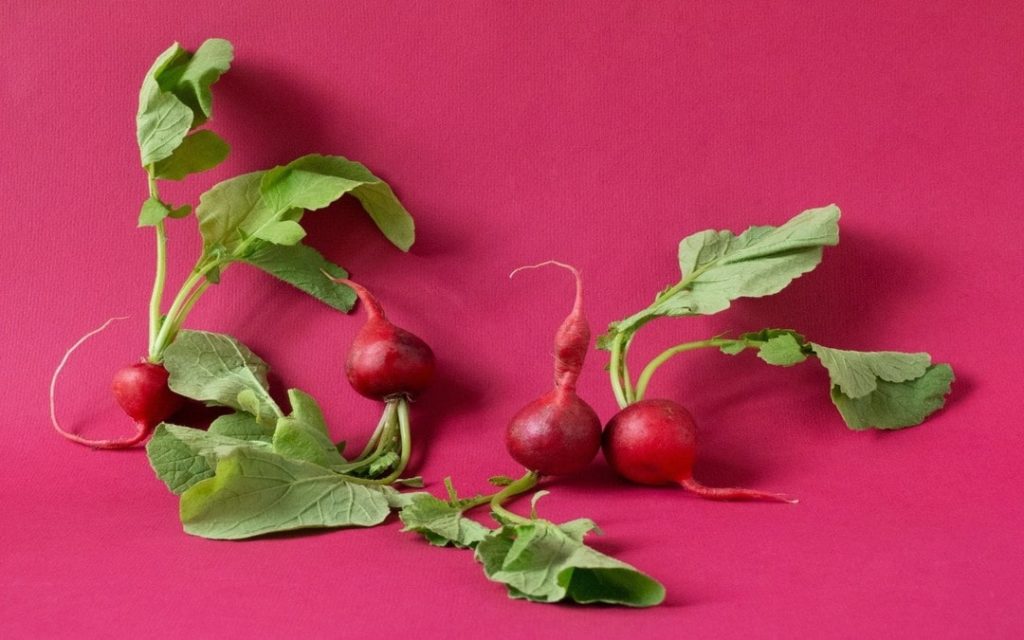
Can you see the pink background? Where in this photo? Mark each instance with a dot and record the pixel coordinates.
(595, 133)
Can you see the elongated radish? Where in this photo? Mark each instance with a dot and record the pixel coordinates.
(386, 361)
(141, 391)
(655, 442)
(558, 433)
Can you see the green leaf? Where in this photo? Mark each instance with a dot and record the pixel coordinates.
(303, 434)
(895, 405)
(162, 120)
(779, 347)
(189, 76)
(241, 426)
(180, 212)
(232, 210)
(255, 492)
(216, 368)
(198, 152)
(857, 373)
(182, 456)
(300, 266)
(153, 211)
(315, 181)
(718, 267)
(543, 562)
(441, 523)
(286, 232)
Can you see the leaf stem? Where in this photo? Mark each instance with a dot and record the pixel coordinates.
(664, 356)
(521, 485)
(615, 371)
(160, 278)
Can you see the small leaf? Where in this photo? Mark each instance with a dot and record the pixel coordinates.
(782, 350)
(163, 120)
(441, 523)
(153, 211)
(180, 212)
(190, 76)
(895, 405)
(198, 152)
(303, 434)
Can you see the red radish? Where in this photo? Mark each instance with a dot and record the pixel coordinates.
(141, 391)
(655, 442)
(386, 361)
(558, 433)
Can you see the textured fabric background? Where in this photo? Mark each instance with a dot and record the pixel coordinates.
(595, 133)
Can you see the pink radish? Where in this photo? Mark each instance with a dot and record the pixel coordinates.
(654, 442)
(141, 391)
(558, 433)
(386, 361)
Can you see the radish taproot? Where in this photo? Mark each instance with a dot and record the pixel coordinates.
(558, 433)
(386, 361)
(140, 390)
(655, 442)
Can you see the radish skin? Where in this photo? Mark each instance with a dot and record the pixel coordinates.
(559, 433)
(654, 442)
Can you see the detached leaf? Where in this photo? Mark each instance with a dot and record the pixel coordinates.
(198, 152)
(216, 368)
(857, 373)
(441, 523)
(255, 492)
(543, 562)
(895, 405)
(300, 266)
(182, 456)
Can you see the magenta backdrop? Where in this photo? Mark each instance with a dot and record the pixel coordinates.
(595, 133)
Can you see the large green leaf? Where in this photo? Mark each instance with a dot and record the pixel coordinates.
(255, 492)
(545, 562)
(182, 456)
(718, 267)
(216, 368)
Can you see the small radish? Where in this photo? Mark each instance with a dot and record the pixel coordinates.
(558, 433)
(654, 442)
(386, 361)
(141, 391)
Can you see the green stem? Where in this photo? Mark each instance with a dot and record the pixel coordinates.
(191, 290)
(385, 418)
(652, 366)
(615, 371)
(521, 485)
(405, 437)
(160, 278)
(628, 389)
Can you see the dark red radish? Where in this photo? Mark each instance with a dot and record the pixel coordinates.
(386, 361)
(655, 442)
(558, 433)
(140, 390)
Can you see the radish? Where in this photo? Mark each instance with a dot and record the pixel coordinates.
(141, 391)
(558, 433)
(654, 442)
(386, 361)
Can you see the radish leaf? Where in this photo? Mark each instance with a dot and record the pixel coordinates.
(254, 492)
(198, 152)
(216, 368)
(544, 562)
(441, 523)
(182, 456)
(301, 266)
